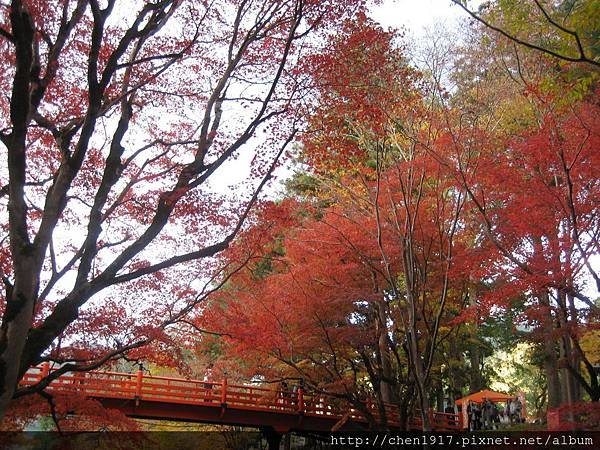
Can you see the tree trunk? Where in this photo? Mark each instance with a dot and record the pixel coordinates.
(455, 381)
(15, 327)
(386, 361)
(476, 381)
(574, 359)
(550, 357)
(419, 371)
(20, 297)
(404, 406)
(439, 393)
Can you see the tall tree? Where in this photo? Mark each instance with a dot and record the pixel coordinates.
(118, 117)
(508, 95)
(390, 229)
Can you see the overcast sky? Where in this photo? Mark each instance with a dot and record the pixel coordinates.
(414, 15)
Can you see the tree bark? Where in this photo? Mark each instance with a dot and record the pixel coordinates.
(550, 357)
(386, 361)
(476, 382)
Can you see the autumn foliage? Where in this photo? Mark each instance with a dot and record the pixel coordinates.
(417, 225)
(116, 121)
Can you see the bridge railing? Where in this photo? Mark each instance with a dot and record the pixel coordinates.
(439, 421)
(137, 386)
(111, 384)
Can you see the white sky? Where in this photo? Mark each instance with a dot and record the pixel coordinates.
(414, 15)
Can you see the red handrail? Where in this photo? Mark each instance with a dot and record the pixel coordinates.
(140, 387)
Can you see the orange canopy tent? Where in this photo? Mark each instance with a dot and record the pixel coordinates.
(479, 397)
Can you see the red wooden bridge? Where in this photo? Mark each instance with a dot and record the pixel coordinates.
(179, 399)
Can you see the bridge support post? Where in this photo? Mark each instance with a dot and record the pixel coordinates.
(224, 391)
(273, 438)
(138, 385)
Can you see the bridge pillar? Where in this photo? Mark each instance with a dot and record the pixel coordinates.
(224, 391)
(138, 384)
(273, 438)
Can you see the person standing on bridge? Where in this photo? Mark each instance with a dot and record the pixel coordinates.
(294, 396)
(284, 393)
(206, 383)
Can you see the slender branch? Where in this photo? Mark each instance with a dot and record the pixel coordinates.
(582, 58)
(202, 330)
(53, 375)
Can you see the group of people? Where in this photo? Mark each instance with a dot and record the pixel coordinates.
(290, 395)
(488, 415)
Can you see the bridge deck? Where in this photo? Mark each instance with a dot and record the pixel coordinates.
(156, 397)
